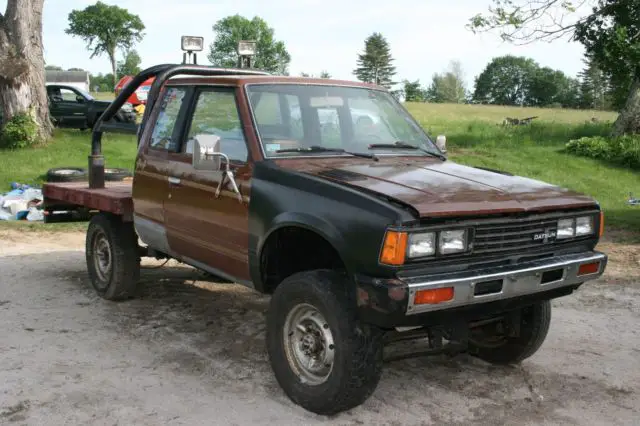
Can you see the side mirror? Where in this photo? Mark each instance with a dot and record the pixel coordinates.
(207, 156)
(441, 143)
(206, 152)
(79, 99)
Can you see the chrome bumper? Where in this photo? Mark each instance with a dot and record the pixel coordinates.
(499, 283)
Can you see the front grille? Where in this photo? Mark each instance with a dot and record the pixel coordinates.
(514, 236)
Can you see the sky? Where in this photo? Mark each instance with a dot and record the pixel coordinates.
(424, 35)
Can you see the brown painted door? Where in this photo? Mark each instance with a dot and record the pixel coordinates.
(150, 186)
(210, 230)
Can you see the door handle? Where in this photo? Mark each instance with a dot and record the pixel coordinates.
(173, 180)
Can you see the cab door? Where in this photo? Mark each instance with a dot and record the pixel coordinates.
(205, 230)
(67, 106)
(150, 182)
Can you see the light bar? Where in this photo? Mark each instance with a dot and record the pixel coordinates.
(192, 43)
(246, 48)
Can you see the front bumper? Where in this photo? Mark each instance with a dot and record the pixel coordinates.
(472, 287)
(479, 291)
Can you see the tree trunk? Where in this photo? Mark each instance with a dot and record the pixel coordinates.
(628, 121)
(112, 58)
(22, 76)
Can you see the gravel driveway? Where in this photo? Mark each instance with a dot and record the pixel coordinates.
(190, 352)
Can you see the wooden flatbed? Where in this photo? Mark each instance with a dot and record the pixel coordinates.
(115, 197)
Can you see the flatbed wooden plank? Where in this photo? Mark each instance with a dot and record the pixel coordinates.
(115, 197)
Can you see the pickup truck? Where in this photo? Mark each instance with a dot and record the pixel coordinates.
(74, 108)
(362, 231)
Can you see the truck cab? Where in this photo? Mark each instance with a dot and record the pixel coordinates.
(331, 198)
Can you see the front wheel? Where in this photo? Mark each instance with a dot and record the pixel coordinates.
(511, 341)
(324, 359)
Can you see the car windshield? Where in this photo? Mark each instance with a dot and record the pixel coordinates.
(311, 119)
(85, 94)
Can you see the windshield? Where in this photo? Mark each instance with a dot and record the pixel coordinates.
(85, 94)
(293, 117)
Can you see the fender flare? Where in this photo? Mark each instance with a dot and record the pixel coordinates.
(311, 223)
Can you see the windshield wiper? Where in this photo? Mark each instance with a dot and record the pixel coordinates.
(316, 148)
(404, 145)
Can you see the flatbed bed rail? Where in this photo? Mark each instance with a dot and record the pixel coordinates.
(115, 197)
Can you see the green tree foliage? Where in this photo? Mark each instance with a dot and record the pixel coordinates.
(106, 28)
(594, 86)
(103, 82)
(552, 88)
(506, 80)
(610, 33)
(130, 65)
(53, 68)
(517, 80)
(374, 65)
(271, 54)
(323, 74)
(413, 91)
(449, 86)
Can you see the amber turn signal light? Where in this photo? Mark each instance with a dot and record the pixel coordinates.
(601, 230)
(588, 268)
(394, 248)
(432, 297)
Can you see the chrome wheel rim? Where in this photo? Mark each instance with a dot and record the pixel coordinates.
(102, 256)
(309, 345)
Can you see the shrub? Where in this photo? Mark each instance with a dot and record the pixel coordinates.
(19, 132)
(624, 150)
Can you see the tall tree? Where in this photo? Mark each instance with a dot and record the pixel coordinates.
(549, 87)
(610, 32)
(375, 64)
(271, 54)
(449, 86)
(106, 29)
(506, 80)
(130, 65)
(413, 91)
(22, 76)
(594, 86)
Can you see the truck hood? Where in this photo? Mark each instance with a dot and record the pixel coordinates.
(435, 188)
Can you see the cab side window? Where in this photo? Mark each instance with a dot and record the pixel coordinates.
(216, 113)
(163, 136)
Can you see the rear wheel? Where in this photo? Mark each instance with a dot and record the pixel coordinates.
(112, 257)
(511, 341)
(324, 359)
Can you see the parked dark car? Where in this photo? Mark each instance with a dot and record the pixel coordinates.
(75, 108)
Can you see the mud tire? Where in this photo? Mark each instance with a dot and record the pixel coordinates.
(357, 359)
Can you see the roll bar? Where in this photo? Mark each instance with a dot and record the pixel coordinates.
(162, 73)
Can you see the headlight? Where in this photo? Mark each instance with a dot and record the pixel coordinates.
(578, 227)
(454, 241)
(423, 244)
(566, 229)
(584, 226)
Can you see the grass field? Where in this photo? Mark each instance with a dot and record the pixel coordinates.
(475, 137)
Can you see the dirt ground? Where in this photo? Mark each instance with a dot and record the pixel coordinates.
(190, 352)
